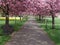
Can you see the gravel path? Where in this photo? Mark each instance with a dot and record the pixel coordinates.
(30, 34)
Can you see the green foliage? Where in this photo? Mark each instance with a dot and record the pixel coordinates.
(4, 39)
(16, 25)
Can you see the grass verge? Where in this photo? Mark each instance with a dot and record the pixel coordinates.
(54, 34)
(16, 25)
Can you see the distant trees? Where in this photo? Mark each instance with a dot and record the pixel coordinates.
(45, 8)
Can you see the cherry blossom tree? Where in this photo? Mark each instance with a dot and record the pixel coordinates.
(32, 7)
(12, 7)
(54, 8)
(45, 8)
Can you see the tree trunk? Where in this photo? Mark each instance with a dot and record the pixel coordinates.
(15, 20)
(39, 17)
(7, 20)
(7, 14)
(53, 22)
(20, 18)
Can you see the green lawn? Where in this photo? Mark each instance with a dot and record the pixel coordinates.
(53, 34)
(16, 25)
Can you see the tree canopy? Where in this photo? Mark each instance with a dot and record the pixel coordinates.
(41, 7)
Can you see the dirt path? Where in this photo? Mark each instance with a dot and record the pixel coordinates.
(30, 34)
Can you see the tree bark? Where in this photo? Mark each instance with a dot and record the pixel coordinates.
(20, 18)
(7, 14)
(15, 19)
(39, 17)
(7, 20)
(53, 22)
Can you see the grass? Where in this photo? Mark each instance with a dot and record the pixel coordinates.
(16, 25)
(53, 34)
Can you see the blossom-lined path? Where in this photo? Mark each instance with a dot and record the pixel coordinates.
(30, 34)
